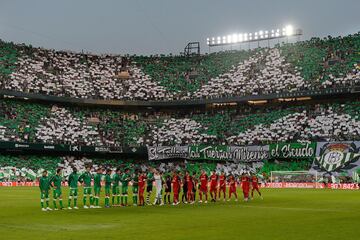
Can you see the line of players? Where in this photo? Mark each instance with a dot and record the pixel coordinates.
(141, 181)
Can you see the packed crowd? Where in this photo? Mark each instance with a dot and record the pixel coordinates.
(50, 124)
(313, 64)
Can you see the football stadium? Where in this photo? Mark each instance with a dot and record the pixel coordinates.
(114, 125)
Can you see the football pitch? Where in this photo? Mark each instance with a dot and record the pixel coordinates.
(283, 214)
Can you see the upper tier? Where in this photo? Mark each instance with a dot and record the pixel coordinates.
(314, 64)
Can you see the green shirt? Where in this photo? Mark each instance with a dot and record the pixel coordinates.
(56, 181)
(149, 178)
(116, 179)
(86, 178)
(108, 180)
(73, 180)
(135, 180)
(97, 180)
(125, 179)
(44, 183)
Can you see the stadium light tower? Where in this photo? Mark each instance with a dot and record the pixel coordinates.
(262, 35)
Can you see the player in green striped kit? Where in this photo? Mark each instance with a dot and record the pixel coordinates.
(73, 184)
(55, 182)
(108, 181)
(115, 187)
(44, 185)
(85, 178)
(125, 179)
(135, 187)
(97, 187)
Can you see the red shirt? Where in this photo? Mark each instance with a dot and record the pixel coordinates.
(213, 179)
(189, 182)
(203, 180)
(254, 181)
(232, 182)
(141, 181)
(222, 179)
(176, 182)
(245, 181)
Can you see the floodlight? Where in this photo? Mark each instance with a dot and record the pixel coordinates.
(273, 31)
(224, 39)
(234, 38)
(229, 38)
(240, 37)
(289, 30)
(218, 40)
(261, 32)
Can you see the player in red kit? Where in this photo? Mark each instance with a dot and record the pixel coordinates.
(213, 186)
(203, 186)
(176, 188)
(255, 186)
(189, 183)
(222, 185)
(141, 182)
(232, 188)
(245, 185)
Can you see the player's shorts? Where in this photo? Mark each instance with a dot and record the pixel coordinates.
(255, 187)
(212, 188)
(107, 190)
(73, 192)
(135, 189)
(141, 190)
(222, 188)
(168, 189)
(115, 190)
(97, 190)
(203, 189)
(149, 188)
(57, 193)
(87, 190)
(124, 190)
(232, 189)
(44, 194)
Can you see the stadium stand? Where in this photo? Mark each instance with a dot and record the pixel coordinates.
(42, 123)
(313, 64)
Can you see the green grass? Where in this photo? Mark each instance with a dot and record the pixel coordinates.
(283, 214)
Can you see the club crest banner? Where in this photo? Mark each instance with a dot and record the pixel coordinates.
(337, 157)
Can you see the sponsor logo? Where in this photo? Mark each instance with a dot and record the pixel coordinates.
(21, 145)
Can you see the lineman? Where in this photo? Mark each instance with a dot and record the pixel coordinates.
(44, 185)
(97, 187)
(55, 182)
(125, 178)
(115, 187)
(73, 184)
(85, 178)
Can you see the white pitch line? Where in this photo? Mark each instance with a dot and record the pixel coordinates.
(295, 209)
